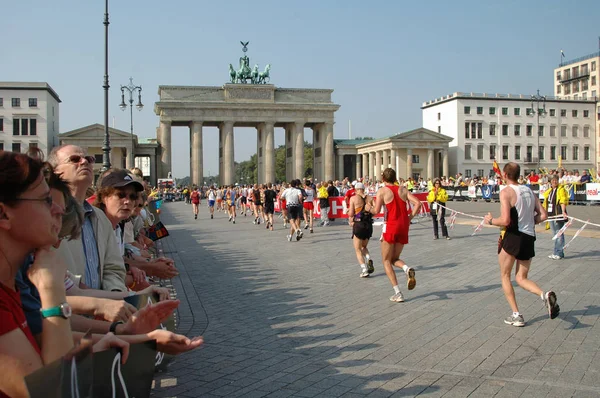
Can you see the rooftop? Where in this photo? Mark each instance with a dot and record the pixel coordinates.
(573, 61)
(459, 94)
(29, 86)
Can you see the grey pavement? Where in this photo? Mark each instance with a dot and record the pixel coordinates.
(285, 319)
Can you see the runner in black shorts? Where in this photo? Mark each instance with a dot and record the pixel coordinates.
(362, 227)
(269, 206)
(257, 203)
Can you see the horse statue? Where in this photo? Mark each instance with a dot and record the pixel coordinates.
(263, 77)
(232, 73)
(254, 74)
(243, 74)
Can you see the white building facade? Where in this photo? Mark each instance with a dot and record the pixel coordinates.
(29, 116)
(509, 128)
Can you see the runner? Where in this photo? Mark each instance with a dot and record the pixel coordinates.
(395, 229)
(293, 199)
(220, 198)
(257, 204)
(520, 210)
(212, 194)
(243, 199)
(230, 199)
(270, 197)
(195, 198)
(308, 205)
(361, 221)
(283, 204)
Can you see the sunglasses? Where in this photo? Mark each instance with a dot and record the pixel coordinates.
(76, 159)
(123, 195)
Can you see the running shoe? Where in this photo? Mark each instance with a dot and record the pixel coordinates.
(517, 321)
(370, 267)
(211, 217)
(195, 216)
(289, 238)
(552, 305)
(305, 226)
(411, 282)
(554, 257)
(299, 235)
(397, 298)
(229, 219)
(447, 238)
(234, 220)
(364, 274)
(311, 230)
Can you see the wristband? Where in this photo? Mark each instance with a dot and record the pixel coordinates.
(113, 327)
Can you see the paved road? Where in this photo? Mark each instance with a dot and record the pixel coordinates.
(294, 319)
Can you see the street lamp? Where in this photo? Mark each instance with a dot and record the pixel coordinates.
(106, 144)
(131, 88)
(538, 111)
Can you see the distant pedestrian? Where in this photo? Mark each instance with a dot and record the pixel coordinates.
(436, 197)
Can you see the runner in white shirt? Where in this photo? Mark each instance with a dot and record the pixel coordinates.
(293, 199)
(308, 205)
(212, 195)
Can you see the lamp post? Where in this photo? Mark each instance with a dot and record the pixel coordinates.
(538, 111)
(131, 89)
(106, 144)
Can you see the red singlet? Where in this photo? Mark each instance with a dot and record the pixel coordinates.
(395, 229)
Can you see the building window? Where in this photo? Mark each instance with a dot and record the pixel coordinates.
(593, 66)
(563, 152)
(492, 151)
(467, 127)
(552, 112)
(1, 125)
(541, 130)
(16, 103)
(33, 102)
(584, 85)
(517, 111)
(529, 155)
(563, 113)
(575, 152)
(504, 111)
(480, 110)
(24, 126)
(492, 129)
(552, 131)
(415, 158)
(541, 151)
(467, 110)
(480, 130)
(593, 80)
(99, 159)
(33, 145)
(16, 127)
(480, 172)
(517, 130)
(468, 173)
(586, 113)
(505, 129)
(32, 126)
(529, 131)
(574, 113)
(492, 110)
(517, 152)
(552, 152)
(558, 89)
(1, 146)
(439, 116)
(480, 152)
(504, 152)
(574, 131)
(528, 111)
(558, 76)
(473, 130)
(567, 89)
(1, 101)
(16, 147)
(586, 153)
(563, 131)
(440, 129)
(594, 94)
(468, 152)
(586, 131)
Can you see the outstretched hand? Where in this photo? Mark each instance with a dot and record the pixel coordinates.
(174, 344)
(150, 317)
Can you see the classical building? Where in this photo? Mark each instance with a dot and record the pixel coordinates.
(580, 79)
(91, 139)
(28, 116)
(416, 153)
(262, 106)
(507, 127)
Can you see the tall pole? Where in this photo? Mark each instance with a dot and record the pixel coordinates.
(537, 99)
(106, 145)
(131, 89)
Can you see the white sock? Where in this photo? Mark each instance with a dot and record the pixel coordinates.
(405, 268)
(363, 267)
(367, 257)
(516, 313)
(397, 289)
(543, 296)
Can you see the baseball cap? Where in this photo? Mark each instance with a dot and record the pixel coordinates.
(118, 179)
(359, 185)
(354, 183)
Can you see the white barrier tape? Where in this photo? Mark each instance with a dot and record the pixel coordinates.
(478, 227)
(562, 230)
(576, 235)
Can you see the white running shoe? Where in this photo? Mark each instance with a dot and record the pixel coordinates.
(289, 238)
(397, 298)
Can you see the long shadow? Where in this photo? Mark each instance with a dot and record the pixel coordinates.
(260, 338)
(468, 289)
(571, 317)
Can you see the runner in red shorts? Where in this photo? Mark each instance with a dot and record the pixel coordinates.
(395, 229)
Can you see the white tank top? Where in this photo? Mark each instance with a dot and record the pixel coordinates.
(310, 195)
(525, 206)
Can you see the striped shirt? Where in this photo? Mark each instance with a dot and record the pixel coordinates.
(90, 249)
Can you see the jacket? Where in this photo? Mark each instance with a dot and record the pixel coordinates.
(112, 268)
(562, 198)
(441, 197)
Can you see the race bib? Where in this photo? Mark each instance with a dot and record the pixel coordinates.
(434, 206)
(550, 207)
(384, 228)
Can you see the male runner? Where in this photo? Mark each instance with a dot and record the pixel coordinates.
(293, 199)
(230, 199)
(520, 210)
(195, 198)
(243, 199)
(269, 205)
(395, 229)
(308, 205)
(257, 204)
(212, 194)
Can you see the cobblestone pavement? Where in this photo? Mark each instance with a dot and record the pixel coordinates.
(294, 319)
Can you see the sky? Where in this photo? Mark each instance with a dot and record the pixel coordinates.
(383, 59)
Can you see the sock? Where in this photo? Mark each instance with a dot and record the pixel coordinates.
(367, 257)
(363, 267)
(543, 296)
(397, 289)
(405, 268)
(516, 313)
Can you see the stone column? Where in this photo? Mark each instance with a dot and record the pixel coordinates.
(153, 170)
(365, 164)
(260, 153)
(269, 152)
(340, 166)
(328, 154)
(197, 169)
(394, 160)
(289, 152)
(409, 162)
(130, 162)
(165, 153)
(377, 171)
(228, 167)
(445, 162)
(358, 160)
(430, 171)
(221, 151)
(372, 174)
(299, 150)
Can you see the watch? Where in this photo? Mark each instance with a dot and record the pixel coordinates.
(63, 310)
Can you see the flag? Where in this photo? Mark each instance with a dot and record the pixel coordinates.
(497, 169)
(559, 161)
(562, 54)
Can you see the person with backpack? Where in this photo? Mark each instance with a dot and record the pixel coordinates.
(361, 221)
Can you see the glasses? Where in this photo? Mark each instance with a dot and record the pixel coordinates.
(123, 195)
(48, 200)
(76, 159)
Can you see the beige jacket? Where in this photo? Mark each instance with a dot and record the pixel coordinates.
(112, 268)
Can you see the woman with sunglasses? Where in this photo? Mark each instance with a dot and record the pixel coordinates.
(437, 199)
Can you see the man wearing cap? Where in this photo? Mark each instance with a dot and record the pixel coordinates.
(94, 258)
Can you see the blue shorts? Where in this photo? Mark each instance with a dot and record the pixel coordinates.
(211, 203)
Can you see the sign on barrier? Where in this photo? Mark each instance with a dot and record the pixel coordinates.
(592, 191)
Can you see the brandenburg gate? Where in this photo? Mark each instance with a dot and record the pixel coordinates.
(248, 101)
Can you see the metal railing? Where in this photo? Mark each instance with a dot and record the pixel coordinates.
(572, 61)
